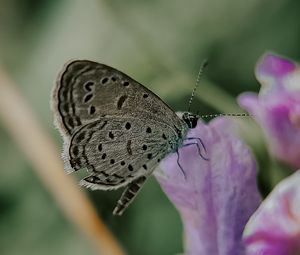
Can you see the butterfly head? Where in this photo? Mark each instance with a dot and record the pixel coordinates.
(190, 119)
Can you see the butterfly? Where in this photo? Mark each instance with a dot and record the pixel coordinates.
(114, 127)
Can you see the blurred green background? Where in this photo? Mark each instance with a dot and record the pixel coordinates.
(159, 43)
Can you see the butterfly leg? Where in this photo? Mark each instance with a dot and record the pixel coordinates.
(198, 139)
(128, 195)
(199, 152)
(178, 163)
(198, 147)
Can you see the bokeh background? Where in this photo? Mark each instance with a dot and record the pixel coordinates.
(159, 43)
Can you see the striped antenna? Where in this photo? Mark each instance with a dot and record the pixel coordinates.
(225, 114)
(203, 65)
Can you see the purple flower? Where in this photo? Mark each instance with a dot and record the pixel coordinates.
(216, 197)
(274, 229)
(277, 106)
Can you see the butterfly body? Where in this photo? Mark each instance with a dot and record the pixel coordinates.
(113, 126)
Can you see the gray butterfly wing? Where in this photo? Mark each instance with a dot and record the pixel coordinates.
(93, 104)
(87, 90)
(117, 150)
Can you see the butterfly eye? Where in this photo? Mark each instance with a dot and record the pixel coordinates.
(194, 121)
(190, 119)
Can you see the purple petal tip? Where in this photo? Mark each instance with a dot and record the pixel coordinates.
(274, 66)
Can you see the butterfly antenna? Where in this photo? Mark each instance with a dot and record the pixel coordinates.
(203, 65)
(225, 114)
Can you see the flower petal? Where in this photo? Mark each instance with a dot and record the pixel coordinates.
(218, 195)
(277, 107)
(274, 229)
(271, 68)
(250, 102)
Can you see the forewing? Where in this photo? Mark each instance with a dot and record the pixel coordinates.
(87, 90)
(117, 150)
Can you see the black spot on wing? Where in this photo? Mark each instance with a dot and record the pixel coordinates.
(88, 98)
(88, 86)
(121, 101)
(92, 110)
